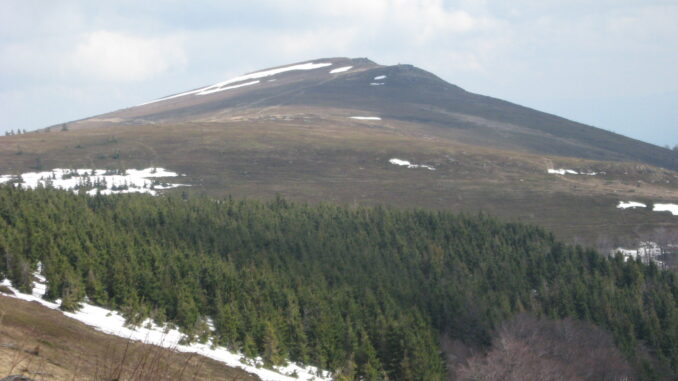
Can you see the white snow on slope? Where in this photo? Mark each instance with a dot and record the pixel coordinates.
(216, 90)
(673, 208)
(341, 69)
(112, 322)
(221, 86)
(6, 178)
(379, 77)
(365, 117)
(647, 251)
(630, 204)
(406, 163)
(376, 83)
(570, 172)
(96, 181)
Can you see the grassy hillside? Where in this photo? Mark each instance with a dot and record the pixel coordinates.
(308, 158)
(45, 345)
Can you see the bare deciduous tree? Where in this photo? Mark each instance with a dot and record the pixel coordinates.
(527, 348)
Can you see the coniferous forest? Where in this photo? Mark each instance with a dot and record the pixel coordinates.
(366, 291)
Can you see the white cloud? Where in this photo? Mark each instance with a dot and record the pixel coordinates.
(117, 56)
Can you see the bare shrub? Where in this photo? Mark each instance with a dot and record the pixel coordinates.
(145, 362)
(527, 348)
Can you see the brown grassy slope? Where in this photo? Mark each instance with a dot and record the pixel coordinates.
(45, 345)
(306, 156)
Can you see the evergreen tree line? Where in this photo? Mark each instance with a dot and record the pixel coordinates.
(365, 292)
(12, 133)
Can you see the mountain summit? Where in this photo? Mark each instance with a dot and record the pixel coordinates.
(401, 93)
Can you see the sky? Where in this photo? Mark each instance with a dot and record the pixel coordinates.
(612, 64)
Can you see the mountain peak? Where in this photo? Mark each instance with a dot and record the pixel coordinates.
(331, 86)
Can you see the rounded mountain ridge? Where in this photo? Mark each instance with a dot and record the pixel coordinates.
(327, 88)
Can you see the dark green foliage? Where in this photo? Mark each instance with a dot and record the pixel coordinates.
(364, 291)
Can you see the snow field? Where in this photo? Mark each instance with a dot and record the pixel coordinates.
(96, 181)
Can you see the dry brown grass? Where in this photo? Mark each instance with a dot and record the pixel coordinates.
(45, 345)
(306, 157)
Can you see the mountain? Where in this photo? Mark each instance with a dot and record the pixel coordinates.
(328, 129)
(400, 93)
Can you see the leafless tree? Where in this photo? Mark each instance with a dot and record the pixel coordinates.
(528, 348)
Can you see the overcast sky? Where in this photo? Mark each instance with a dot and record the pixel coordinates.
(608, 63)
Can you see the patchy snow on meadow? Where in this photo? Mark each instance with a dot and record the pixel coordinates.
(233, 83)
(630, 204)
(647, 252)
(408, 164)
(570, 172)
(341, 69)
(95, 181)
(673, 208)
(113, 323)
(365, 117)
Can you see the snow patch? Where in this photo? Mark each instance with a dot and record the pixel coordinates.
(216, 90)
(630, 204)
(570, 172)
(406, 163)
(562, 171)
(105, 182)
(341, 69)
(112, 322)
(376, 83)
(365, 117)
(673, 208)
(221, 86)
(379, 77)
(6, 178)
(647, 252)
